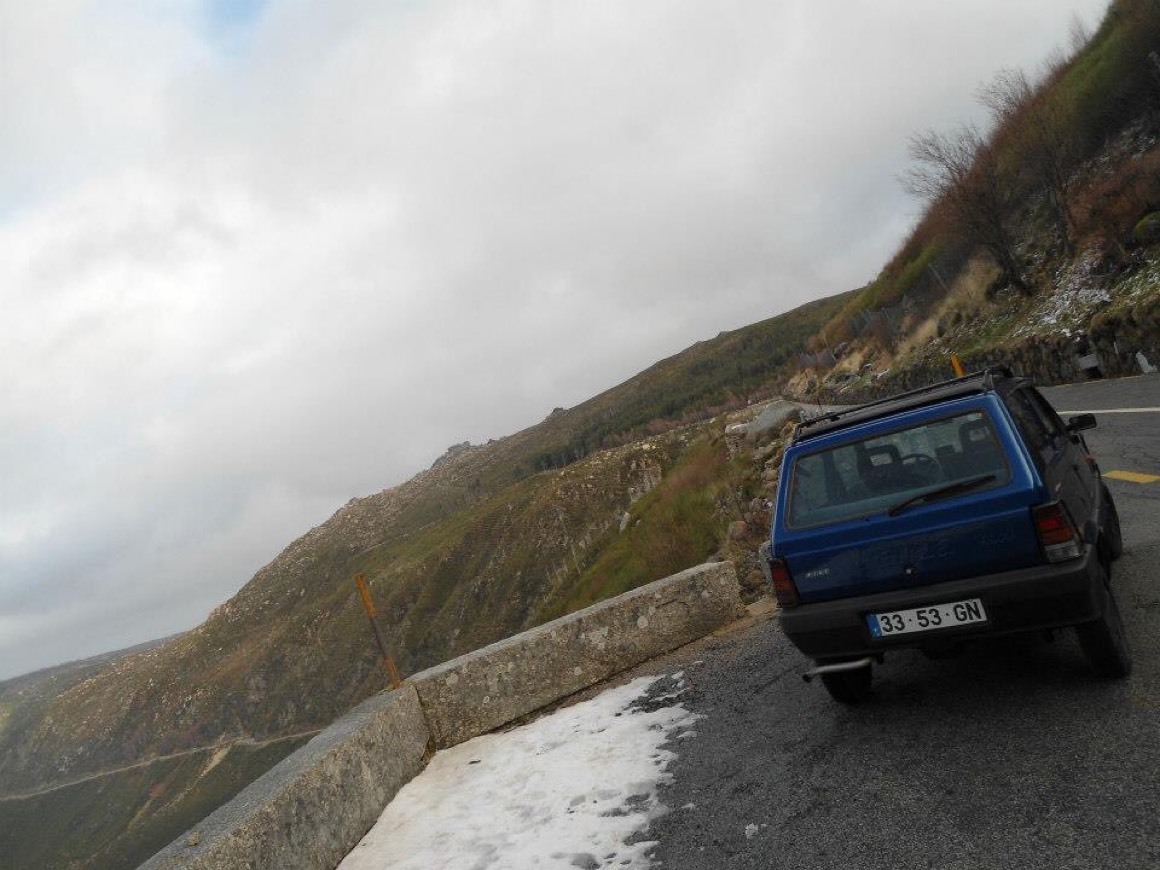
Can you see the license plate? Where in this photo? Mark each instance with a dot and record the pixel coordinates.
(930, 618)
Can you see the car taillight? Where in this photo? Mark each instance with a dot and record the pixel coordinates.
(783, 585)
(1056, 532)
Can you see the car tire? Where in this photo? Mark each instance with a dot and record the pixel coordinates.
(849, 687)
(1103, 640)
(1112, 533)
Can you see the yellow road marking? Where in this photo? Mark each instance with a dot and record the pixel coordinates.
(1132, 476)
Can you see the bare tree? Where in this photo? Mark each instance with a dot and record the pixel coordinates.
(1078, 34)
(1040, 133)
(1006, 96)
(962, 171)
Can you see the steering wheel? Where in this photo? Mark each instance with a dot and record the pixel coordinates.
(925, 468)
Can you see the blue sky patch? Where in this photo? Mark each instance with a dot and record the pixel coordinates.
(230, 21)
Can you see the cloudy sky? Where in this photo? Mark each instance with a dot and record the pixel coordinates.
(257, 258)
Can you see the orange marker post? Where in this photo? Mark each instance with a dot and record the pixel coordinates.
(364, 592)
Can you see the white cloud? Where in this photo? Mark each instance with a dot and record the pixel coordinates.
(252, 268)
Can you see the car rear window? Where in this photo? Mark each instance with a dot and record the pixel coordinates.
(877, 474)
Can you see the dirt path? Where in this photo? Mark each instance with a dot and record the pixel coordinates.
(217, 747)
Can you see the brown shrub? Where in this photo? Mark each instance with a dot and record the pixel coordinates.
(1107, 209)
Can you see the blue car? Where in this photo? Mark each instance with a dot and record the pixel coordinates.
(963, 510)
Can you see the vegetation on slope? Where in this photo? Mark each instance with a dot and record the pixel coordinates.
(1040, 244)
(118, 821)
(478, 547)
(631, 485)
(706, 379)
(674, 526)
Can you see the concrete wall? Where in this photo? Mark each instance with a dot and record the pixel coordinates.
(314, 807)
(482, 690)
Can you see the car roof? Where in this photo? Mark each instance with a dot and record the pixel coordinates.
(996, 379)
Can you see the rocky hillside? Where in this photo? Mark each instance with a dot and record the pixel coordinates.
(1040, 243)
(632, 485)
(554, 542)
(483, 544)
(1039, 246)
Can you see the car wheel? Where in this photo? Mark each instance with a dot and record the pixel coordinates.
(849, 687)
(1103, 640)
(1112, 533)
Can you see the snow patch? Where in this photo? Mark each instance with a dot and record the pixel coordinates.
(576, 788)
(1078, 295)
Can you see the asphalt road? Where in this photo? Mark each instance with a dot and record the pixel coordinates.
(1013, 755)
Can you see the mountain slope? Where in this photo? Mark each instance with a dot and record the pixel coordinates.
(489, 541)
(632, 484)
(1040, 251)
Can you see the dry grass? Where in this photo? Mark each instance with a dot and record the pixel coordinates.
(967, 299)
(920, 334)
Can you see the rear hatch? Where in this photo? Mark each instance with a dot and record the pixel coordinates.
(921, 497)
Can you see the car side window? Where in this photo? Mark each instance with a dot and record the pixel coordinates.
(1047, 413)
(1031, 426)
(1029, 422)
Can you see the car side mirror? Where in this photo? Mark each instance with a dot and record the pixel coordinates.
(1081, 422)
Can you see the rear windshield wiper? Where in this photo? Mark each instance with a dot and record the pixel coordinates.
(941, 492)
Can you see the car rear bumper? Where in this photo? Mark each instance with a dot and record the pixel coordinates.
(1029, 599)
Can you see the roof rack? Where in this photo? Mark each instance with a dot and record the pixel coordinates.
(984, 377)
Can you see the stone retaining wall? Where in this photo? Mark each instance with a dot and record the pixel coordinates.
(1047, 361)
(482, 690)
(310, 810)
